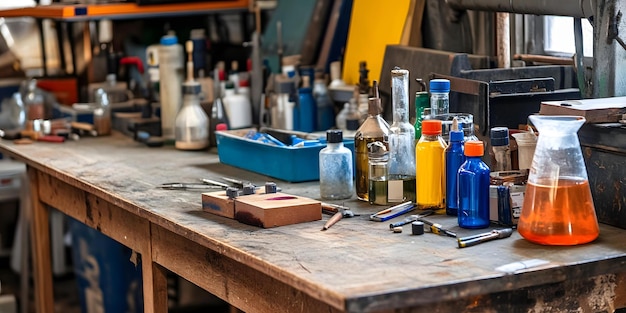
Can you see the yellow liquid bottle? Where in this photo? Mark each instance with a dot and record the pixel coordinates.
(430, 168)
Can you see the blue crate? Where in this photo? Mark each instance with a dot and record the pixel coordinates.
(288, 163)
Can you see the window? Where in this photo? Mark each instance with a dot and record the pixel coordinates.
(558, 34)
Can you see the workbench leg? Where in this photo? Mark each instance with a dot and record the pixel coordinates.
(154, 286)
(40, 234)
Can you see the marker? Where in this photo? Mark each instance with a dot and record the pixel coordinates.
(392, 212)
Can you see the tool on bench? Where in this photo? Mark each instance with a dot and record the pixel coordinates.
(338, 211)
(393, 211)
(186, 186)
(411, 219)
(484, 237)
(437, 228)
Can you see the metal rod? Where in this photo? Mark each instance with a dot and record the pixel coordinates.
(575, 8)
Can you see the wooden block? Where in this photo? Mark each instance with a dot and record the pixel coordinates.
(276, 209)
(218, 203)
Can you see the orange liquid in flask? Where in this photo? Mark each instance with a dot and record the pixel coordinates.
(558, 215)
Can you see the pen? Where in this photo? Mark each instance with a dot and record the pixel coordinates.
(411, 219)
(437, 228)
(392, 212)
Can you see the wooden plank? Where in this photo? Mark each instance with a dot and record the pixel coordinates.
(122, 226)
(602, 110)
(40, 234)
(232, 281)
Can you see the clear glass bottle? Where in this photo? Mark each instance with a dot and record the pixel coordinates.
(473, 177)
(375, 128)
(401, 141)
(335, 162)
(102, 113)
(558, 208)
(501, 152)
(454, 159)
(439, 96)
(353, 116)
(378, 173)
(430, 164)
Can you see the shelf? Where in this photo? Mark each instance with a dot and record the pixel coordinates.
(122, 10)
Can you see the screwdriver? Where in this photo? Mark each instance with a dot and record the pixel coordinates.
(484, 237)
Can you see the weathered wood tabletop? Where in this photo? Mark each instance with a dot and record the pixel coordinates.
(355, 266)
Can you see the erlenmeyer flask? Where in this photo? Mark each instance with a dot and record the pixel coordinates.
(558, 208)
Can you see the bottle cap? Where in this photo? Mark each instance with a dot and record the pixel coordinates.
(439, 85)
(456, 135)
(474, 148)
(221, 126)
(334, 136)
(499, 136)
(169, 40)
(431, 127)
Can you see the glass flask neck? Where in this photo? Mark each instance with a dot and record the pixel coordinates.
(400, 95)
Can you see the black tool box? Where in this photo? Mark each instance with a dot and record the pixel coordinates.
(604, 151)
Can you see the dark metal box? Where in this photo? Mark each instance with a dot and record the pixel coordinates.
(604, 151)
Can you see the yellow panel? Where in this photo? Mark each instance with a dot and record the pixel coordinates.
(373, 25)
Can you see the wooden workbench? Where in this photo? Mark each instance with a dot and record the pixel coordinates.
(109, 184)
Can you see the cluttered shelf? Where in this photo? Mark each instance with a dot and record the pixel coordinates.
(293, 266)
(122, 10)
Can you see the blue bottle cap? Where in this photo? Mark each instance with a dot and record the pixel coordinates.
(169, 40)
(456, 135)
(499, 136)
(439, 85)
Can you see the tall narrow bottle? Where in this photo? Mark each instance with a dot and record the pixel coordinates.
(473, 179)
(422, 101)
(430, 164)
(401, 141)
(454, 159)
(374, 128)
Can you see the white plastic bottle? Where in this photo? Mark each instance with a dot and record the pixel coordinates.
(170, 79)
(238, 108)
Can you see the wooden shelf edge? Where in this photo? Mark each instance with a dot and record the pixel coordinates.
(121, 10)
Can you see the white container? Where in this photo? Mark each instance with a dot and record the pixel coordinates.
(526, 144)
(238, 108)
(171, 79)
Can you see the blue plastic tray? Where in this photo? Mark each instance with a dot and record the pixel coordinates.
(292, 164)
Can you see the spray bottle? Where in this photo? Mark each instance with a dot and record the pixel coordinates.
(192, 123)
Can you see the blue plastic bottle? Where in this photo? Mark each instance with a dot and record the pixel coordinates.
(473, 178)
(454, 159)
(305, 112)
